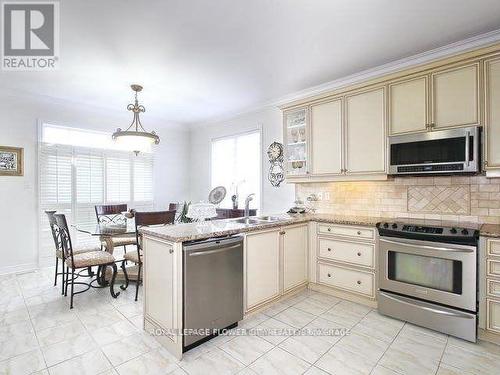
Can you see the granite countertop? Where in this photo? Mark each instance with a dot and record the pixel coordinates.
(227, 227)
(490, 230)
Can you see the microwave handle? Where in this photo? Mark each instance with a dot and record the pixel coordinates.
(467, 148)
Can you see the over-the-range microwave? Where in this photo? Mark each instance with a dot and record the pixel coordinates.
(450, 151)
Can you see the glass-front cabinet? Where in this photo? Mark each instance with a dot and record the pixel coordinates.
(296, 140)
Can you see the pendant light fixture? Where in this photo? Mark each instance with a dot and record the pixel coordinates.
(136, 138)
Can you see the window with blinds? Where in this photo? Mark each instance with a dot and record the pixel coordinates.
(236, 165)
(73, 179)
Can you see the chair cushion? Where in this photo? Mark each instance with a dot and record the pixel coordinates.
(80, 250)
(91, 258)
(132, 256)
(124, 241)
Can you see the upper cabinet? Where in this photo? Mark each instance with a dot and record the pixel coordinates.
(365, 132)
(455, 97)
(444, 98)
(326, 138)
(492, 113)
(343, 136)
(296, 140)
(408, 105)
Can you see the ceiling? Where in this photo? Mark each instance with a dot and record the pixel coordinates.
(200, 59)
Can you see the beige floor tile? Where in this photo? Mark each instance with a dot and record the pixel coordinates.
(346, 313)
(295, 317)
(27, 363)
(93, 362)
(128, 348)
(341, 361)
(472, 361)
(64, 350)
(114, 332)
(278, 361)
(274, 331)
(313, 306)
(157, 361)
(307, 348)
(214, 362)
(246, 349)
(64, 332)
(378, 326)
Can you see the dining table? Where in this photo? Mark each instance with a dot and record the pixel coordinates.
(106, 232)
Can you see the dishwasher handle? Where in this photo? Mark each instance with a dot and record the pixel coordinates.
(212, 244)
(209, 252)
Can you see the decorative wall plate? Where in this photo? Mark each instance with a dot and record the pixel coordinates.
(217, 195)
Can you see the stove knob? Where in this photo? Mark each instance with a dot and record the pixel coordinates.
(394, 226)
(465, 232)
(386, 225)
(453, 230)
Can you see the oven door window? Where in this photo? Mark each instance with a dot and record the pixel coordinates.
(430, 272)
(448, 150)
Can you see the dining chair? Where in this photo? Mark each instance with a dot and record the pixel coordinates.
(60, 253)
(113, 214)
(75, 262)
(144, 219)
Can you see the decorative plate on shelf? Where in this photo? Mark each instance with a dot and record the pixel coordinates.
(217, 195)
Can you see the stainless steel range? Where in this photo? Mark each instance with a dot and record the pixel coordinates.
(428, 276)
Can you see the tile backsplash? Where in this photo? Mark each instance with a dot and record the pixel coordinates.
(454, 198)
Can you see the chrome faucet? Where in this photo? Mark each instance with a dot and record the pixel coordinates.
(247, 204)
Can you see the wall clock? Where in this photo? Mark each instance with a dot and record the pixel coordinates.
(276, 172)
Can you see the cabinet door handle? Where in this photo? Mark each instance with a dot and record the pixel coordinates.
(282, 232)
(359, 233)
(359, 253)
(329, 249)
(171, 251)
(329, 229)
(359, 282)
(329, 275)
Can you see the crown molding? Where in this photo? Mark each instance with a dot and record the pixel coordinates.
(449, 50)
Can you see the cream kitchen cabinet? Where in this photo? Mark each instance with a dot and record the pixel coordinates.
(163, 304)
(327, 138)
(455, 97)
(445, 98)
(262, 267)
(295, 254)
(296, 141)
(408, 105)
(492, 114)
(365, 139)
(275, 263)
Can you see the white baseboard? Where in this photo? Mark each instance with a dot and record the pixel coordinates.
(20, 268)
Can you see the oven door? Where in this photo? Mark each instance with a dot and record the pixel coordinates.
(432, 271)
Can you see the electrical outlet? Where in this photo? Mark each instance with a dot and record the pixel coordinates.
(327, 196)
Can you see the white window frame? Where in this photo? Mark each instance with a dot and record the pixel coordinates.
(42, 259)
(257, 129)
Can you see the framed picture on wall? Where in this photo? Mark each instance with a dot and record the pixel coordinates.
(11, 161)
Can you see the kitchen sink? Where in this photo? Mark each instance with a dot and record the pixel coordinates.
(248, 221)
(269, 219)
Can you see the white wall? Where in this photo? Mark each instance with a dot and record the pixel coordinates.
(274, 200)
(19, 195)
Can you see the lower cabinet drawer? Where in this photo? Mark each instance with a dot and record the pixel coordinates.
(493, 288)
(348, 279)
(493, 267)
(493, 247)
(348, 231)
(362, 254)
(493, 315)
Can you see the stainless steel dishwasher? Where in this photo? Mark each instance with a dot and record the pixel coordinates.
(213, 287)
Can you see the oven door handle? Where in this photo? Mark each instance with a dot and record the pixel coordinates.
(467, 148)
(404, 242)
(427, 308)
